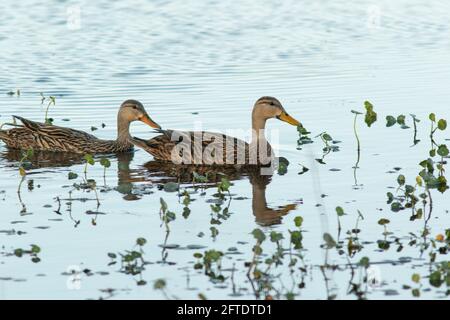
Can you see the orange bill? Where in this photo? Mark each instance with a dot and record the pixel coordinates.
(287, 118)
(146, 119)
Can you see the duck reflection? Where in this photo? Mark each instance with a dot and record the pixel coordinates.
(131, 180)
(264, 215)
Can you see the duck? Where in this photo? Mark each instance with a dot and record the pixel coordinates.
(211, 148)
(46, 137)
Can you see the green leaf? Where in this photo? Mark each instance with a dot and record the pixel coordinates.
(340, 212)
(383, 221)
(296, 239)
(141, 241)
(35, 248)
(364, 262)
(22, 171)
(401, 179)
(396, 206)
(30, 153)
(163, 204)
(18, 252)
(390, 197)
(442, 124)
(276, 236)
(432, 117)
(371, 116)
(72, 175)
(170, 216)
(224, 184)
(442, 150)
(326, 137)
(435, 279)
(416, 277)
(105, 162)
(298, 221)
(401, 120)
(356, 112)
(159, 284)
(259, 235)
(112, 255)
(390, 121)
(89, 159)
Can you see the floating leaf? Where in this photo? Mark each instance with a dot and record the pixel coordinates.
(432, 117)
(276, 236)
(442, 124)
(401, 120)
(435, 279)
(72, 175)
(364, 262)
(105, 162)
(326, 137)
(401, 179)
(383, 221)
(340, 211)
(22, 171)
(89, 159)
(371, 116)
(141, 241)
(416, 277)
(390, 121)
(35, 248)
(442, 150)
(298, 221)
(259, 235)
(159, 284)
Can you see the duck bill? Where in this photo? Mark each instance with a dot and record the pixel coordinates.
(147, 120)
(287, 118)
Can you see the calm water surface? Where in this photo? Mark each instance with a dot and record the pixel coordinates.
(192, 63)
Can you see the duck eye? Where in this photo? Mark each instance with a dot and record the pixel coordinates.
(271, 103)
(134, 107)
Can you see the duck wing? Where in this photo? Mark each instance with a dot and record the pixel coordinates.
(41, 136)
(214, 148)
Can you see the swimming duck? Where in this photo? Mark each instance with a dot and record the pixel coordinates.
(210, 148)
(45, 137)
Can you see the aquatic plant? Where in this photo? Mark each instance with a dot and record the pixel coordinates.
(51, 101)
(330, 145)
(132, 261)
(303, 137)
(26, 156)
(33, 252)
(105, 163)
(166, 217)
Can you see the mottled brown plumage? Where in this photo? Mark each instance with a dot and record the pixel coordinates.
(209, 148)
(45, 137)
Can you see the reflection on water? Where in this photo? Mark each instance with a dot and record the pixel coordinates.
(160, 172)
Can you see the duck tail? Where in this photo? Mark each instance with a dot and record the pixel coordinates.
(28, 123)
(138, 142)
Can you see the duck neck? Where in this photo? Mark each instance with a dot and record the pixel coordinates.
(258, 129)
(123, 131)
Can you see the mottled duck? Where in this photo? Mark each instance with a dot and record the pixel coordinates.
(46, 137)
(210, 148)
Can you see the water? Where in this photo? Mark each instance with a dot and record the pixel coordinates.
(194, 63)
